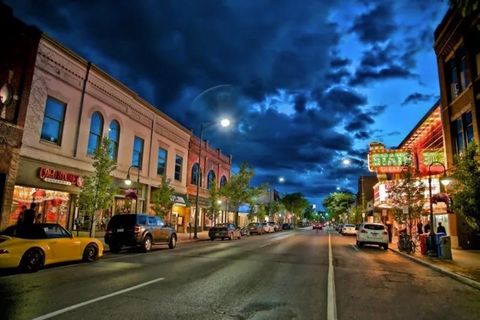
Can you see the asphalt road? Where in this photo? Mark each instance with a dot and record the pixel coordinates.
(277, 276)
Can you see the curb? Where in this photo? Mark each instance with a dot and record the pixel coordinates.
(473, 283)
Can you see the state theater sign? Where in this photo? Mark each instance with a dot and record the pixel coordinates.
(59, 177)
(381, 160)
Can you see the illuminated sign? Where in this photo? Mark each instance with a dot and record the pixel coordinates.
(381, 160)
(431, 156)
(59, 177)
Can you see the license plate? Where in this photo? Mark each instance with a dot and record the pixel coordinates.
(120, 230)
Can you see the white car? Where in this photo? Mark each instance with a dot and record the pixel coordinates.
(372, 233)
(349, 229)
(267, 227)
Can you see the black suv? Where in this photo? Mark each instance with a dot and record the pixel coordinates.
(138, 230)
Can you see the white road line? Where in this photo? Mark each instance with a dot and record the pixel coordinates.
(354, 247)
(79, 305)
(331, 299)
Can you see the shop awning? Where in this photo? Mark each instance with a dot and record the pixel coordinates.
(180, 200)
(131, 193)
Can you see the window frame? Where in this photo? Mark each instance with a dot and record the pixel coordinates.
(462, 132)
(139, 152)
(114, 144)
(209, 180)
(165, 159)
(51, 118)
(97, 135)
(178, 168)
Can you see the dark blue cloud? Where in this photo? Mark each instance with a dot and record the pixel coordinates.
(375, 25)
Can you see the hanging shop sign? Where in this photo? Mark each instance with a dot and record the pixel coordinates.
(60, 177)
(431, 158)
(381, 160)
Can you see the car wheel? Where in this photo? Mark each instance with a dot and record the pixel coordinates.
(212, 238)
(173, 242)
(230, 236)
(32, 260)
(90, 253)
(359, 244)
(385, 246)
(147, 244)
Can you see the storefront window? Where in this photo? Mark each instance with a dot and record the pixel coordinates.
(52, 206)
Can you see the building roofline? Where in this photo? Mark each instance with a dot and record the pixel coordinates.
(419, 123)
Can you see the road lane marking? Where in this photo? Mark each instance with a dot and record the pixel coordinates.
(354, 247)
(79, 305)
(331, 299)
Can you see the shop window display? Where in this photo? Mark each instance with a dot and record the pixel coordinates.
(52, 206)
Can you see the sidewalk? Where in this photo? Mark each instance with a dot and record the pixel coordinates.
(464, 266)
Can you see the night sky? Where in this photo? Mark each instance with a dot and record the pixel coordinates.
(306, 83)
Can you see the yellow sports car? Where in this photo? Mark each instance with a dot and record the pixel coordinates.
(31, 247)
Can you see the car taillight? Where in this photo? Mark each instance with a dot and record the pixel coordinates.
(137, 229)
(3, 251)
(109, 231)
(363, 231)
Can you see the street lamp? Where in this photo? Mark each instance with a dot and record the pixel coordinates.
(128, 182)
(445, 181)
(224, 123)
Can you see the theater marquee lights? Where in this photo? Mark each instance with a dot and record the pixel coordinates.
(381, 160)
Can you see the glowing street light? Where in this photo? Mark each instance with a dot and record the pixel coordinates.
(346, 161)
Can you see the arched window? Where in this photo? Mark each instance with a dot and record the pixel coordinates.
(211, 179)
(114, 136)
(223, 181)
(195, 169)
(95, 136)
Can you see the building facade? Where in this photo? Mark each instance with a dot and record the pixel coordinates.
(72, 105)
(17, 60)
(214, 167)
(457, 47)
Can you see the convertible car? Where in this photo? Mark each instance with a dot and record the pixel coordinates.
(31, 247)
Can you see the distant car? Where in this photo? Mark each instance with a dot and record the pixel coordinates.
(268, 228)
(224, 231)
(138, 230)
(349, 229)
(317, 225)
(255, 228)
(372, 233)
(31, 247)
(339, 227)
(286, 226)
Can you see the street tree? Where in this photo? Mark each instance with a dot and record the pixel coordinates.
(238, 191)
(161, 199)
(99, 189)
(295, 203)
(338, 203)
(271, 208)
(407, 197)
(310, 214)
(466, 186)
(214, 201)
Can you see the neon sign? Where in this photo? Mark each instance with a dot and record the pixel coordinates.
(381, 160)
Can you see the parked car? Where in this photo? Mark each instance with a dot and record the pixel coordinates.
(339, 228)
(286, 226)
(372, 233)
(244, 232)
(317, 225)
(274, 225)
(138, 230)
(267, 227)
(224, 231)
(255, 228)
(31, 247)
(349, 229)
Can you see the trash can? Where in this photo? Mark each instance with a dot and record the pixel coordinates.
(423, 243)
(445, 248)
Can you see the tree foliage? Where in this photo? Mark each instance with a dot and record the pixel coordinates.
(466, 186)
(338, 203)
(161, 198)
(464, 7)
(214, 201)
(238, 191)
(295, 203)
(407, 193)
(98, 190)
